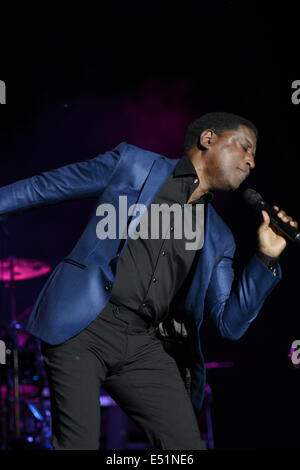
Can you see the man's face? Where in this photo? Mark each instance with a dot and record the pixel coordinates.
(230, 158)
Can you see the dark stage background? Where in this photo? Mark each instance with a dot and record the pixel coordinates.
(83, 80)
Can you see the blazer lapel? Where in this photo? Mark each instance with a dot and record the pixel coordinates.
(157, 176)
(207, 260)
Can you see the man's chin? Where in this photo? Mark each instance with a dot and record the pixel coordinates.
(232, 186)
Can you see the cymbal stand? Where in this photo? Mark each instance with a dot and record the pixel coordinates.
(13, 333)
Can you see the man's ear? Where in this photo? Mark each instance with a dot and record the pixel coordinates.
(205, 139)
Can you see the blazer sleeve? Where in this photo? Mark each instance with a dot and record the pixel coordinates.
(233, 309)
(77, 180)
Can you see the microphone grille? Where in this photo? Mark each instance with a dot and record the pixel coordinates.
(252, 197)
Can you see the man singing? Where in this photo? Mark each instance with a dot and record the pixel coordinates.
(99, 313)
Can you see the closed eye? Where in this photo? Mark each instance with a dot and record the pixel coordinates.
(243, 147)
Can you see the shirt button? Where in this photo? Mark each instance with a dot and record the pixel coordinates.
(144, 305)
(172, 228)
(107, 286)
(196, 180)
(164, 253)
(154, 279)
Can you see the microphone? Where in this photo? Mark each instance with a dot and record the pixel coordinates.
(256, 201)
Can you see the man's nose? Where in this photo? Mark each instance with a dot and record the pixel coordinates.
(250, 161)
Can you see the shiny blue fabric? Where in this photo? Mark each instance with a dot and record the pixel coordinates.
(73, 296)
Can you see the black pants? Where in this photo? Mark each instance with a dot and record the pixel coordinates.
(119, 352)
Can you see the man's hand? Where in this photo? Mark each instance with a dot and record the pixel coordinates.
(270, 241)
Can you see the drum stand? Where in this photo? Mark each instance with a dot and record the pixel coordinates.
(14, 269)
(13, 379)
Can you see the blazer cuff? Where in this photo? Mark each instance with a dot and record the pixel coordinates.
(269, 261)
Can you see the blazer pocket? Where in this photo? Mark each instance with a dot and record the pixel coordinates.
(75, 263)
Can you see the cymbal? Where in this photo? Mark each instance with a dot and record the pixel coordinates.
(26, 391)
(20, 269)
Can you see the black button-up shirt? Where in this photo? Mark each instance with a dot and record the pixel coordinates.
(151, 271)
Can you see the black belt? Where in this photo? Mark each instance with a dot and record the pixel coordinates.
(130, 316)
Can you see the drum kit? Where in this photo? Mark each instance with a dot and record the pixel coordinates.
(24, 393)
(25, 414)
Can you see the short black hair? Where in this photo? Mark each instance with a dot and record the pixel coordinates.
(218, 122)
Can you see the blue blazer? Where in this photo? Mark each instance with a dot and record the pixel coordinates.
(74, 295)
